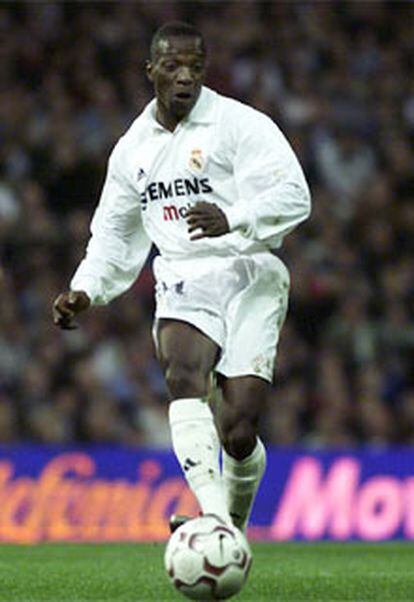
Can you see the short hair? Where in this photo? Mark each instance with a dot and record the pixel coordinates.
(175, 29)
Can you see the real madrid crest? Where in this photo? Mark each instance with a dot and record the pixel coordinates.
(196, 160)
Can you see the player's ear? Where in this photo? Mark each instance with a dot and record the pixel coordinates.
(148, 70)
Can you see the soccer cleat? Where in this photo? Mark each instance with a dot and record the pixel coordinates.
(176, 520)
(237, 521)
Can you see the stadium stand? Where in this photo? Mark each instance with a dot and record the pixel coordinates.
(337, 78)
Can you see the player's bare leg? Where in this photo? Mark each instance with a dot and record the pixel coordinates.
(187, 357)
(244, 456)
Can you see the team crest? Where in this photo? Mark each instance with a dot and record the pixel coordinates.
(196, 161)
(261, 364)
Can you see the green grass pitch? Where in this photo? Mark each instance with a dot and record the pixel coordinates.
(134, 572)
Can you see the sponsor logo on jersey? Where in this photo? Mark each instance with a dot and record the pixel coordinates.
(180, 187)
(172, 212)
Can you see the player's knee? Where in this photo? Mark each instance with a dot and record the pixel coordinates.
(185, 381)
(239, 439)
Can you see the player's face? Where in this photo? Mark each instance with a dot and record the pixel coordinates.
(177, 73)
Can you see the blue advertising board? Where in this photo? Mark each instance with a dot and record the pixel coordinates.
(50, 493)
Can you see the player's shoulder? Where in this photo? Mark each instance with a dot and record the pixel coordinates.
(138, 129)
(238, 114)
(133, 136)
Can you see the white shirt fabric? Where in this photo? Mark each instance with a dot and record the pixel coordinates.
(223, 152)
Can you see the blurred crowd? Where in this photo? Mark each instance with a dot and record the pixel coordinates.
(337, 78)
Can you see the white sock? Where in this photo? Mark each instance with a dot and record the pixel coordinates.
(196, 445)
(242, 479)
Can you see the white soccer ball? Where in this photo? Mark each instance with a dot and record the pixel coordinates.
(207, 559)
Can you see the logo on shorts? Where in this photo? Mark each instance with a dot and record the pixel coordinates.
(262, 364)
(179, 287)
(196, 161)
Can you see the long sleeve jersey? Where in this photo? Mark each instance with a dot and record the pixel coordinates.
(223, 152)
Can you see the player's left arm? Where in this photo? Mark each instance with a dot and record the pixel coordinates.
(208, 219)
(273, 195)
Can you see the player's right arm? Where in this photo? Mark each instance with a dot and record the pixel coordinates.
(116, 251)
(67, 305)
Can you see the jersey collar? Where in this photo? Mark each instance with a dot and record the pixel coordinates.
(204, 111)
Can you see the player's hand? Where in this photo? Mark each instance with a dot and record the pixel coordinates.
(66, 306)
(208, 218)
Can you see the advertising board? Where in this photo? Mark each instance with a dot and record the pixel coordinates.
(125, 494)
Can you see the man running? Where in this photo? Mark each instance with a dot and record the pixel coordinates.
(214, 184)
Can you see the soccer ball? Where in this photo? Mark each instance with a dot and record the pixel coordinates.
(207, 559)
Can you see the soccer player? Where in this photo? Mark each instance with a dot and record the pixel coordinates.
(215, 185)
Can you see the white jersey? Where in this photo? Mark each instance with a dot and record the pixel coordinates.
(223, 152)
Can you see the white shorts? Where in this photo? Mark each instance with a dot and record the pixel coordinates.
(238, 302)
